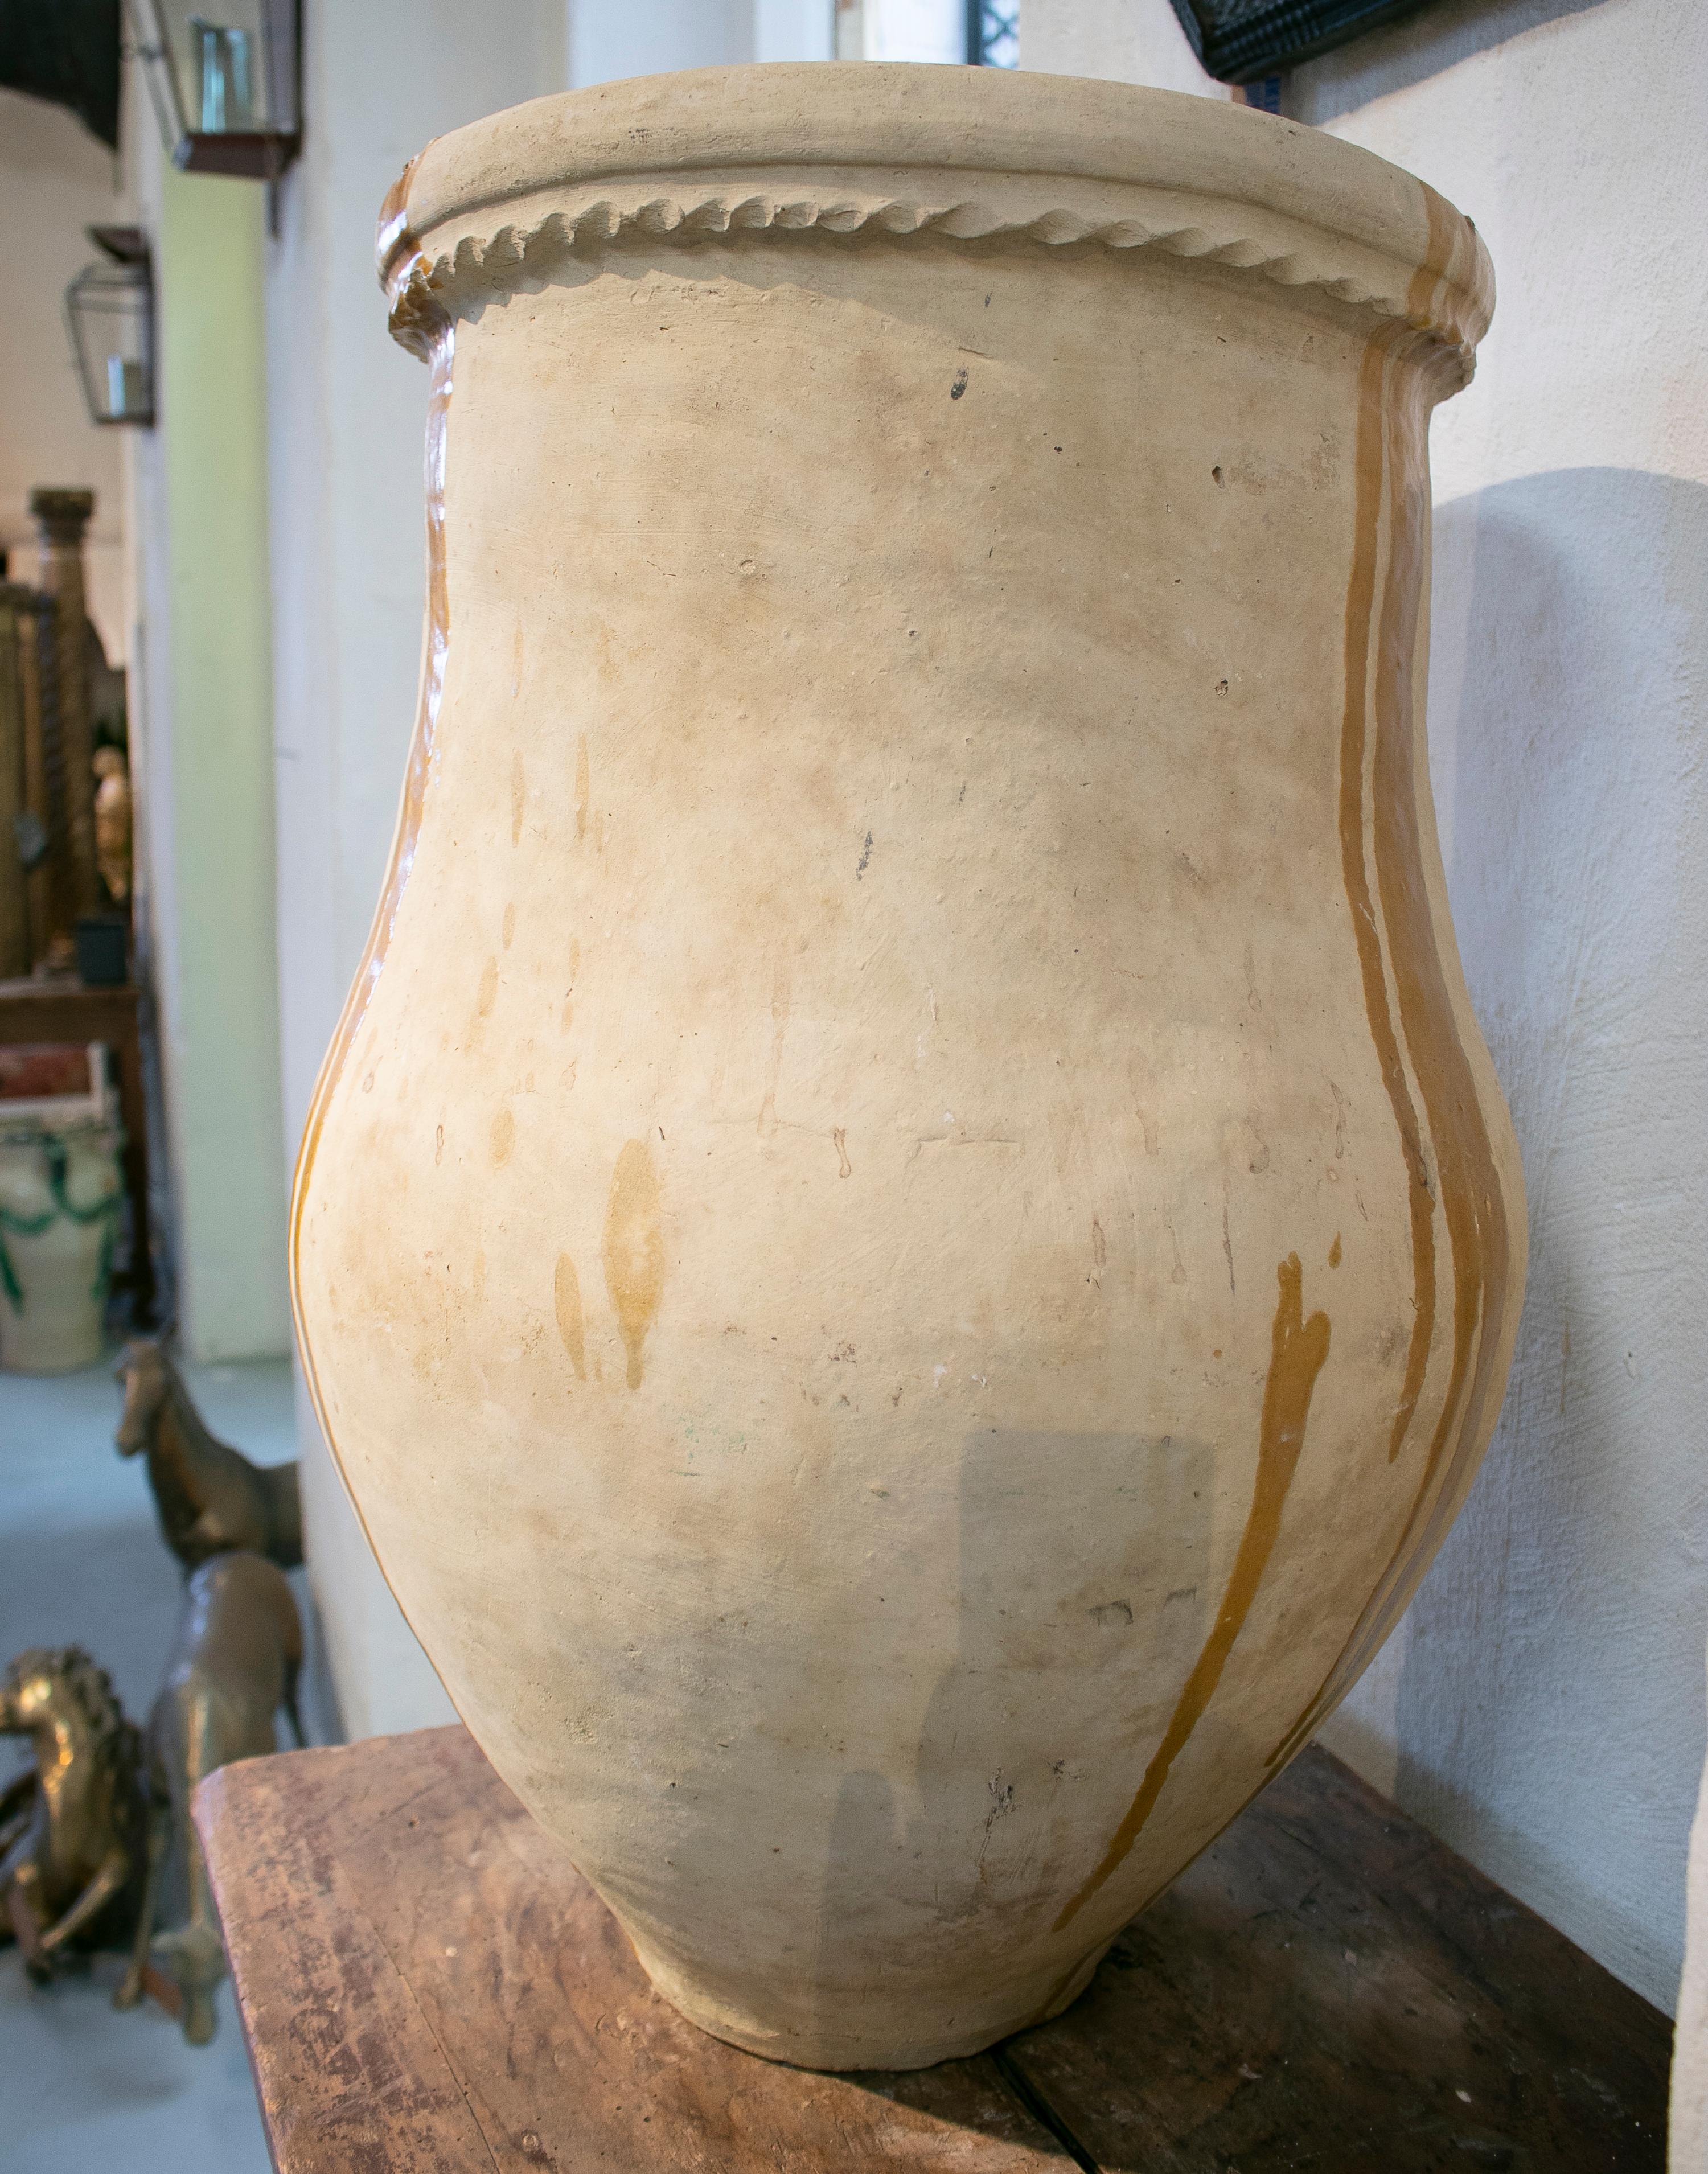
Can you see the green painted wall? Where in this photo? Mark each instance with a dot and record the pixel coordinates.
(217, 981)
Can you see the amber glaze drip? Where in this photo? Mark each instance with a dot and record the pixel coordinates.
(566, 1302)
(634, 1250)
(1298, 1349)
(395, 240)
(1359, 620)
(416, 779)
(1473, 1204)
(1393, 420)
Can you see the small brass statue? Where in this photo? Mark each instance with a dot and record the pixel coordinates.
(112, 823)
(72, 1831)
(239, 1649)
(208, 1496)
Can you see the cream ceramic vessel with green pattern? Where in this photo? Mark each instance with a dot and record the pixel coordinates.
(908, 1245)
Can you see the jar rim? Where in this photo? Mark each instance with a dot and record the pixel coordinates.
(889, 149)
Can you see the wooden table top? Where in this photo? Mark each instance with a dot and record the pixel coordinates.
(31, 999)
(427, 1984)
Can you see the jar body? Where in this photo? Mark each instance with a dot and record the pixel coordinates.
(863, 1247)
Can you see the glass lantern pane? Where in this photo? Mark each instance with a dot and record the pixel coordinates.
(233, 64)
(127, 387)
(225, 70)
(109, 309)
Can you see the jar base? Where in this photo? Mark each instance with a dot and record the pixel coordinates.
(880, 2048)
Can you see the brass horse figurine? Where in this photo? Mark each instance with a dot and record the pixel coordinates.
(208, 1496)
(236, 1662)
(72, 1831)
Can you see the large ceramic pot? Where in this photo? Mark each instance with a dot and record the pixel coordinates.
(908, 1245)
(61, 1193)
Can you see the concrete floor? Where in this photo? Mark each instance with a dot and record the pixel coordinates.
(84, 2088)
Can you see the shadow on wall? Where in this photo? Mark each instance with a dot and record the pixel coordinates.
(1550, 1713)
(1412, 51)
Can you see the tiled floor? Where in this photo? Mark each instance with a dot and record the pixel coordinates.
(85, 2090)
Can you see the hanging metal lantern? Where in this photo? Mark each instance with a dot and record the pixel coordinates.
(225, 92)
(109, 307)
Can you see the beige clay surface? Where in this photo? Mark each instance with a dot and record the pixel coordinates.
(908, 1244)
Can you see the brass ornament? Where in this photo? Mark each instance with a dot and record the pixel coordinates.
(208, 1496)
(71, 1829)
(234, 1664)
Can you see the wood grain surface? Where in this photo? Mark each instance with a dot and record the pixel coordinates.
(427, 1984)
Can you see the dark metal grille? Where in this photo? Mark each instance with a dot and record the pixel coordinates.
(1240, 41)
(993, 33)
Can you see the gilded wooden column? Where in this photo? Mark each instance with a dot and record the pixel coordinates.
(73, 889)
(17, 673)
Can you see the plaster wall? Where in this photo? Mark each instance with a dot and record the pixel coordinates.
(933, 31)
(55, 179)
(794, 30)
(609, 42)
(1123, 40)
(1541, 1704)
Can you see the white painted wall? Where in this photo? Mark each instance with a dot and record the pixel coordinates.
(1542, 1705)
(55, 179)
(609, 41)
(931, 32)
(794, 30)
(1123, 40)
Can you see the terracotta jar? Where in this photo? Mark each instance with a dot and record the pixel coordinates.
(908, 1245)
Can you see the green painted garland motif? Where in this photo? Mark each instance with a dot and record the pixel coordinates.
(32, 1226)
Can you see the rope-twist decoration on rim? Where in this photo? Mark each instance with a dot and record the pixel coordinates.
(425, 290)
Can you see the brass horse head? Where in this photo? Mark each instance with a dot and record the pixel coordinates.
(61, 1691)
(45, 1684)
(28, 1694)
(145, 1373)
(73, 1833)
